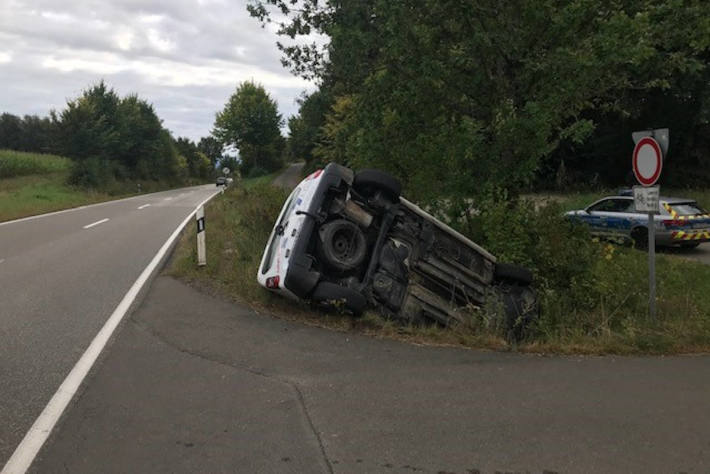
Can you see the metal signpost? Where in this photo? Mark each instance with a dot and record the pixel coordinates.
(647, 162)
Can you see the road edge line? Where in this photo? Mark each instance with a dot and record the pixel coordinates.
(26, 452)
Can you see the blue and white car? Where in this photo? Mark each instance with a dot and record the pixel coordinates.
(680, 222)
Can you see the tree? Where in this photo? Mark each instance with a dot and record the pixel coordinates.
(462, 98)
(212, 148)
(304, 129)
(250, 122)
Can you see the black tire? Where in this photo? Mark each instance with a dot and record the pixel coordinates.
(521, 310)
(343, 246)
(512, 273)
(640, 238)
(330, 294)
(368, 182)
(689, 245)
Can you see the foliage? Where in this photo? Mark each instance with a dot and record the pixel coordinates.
(197, 163)
(305, 127)
(460, 98)
(30, 133)
(250, 121)
(212, 149)
(16, 163)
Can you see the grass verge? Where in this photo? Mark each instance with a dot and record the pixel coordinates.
(603, 313)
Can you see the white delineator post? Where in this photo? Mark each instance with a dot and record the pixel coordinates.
(201, 251)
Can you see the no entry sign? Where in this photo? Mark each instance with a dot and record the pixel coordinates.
(647, 161)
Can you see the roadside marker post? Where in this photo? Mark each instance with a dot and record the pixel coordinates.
(201, 251)
(647, 163)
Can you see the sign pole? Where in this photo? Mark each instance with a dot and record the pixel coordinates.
(651, 265)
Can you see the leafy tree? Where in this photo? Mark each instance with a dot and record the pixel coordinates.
(304, 129)
(212, 148)
(250, 122)
(462, 98)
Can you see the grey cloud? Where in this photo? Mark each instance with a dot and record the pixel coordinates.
(217, 40)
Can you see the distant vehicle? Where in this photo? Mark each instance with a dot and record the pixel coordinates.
(681, 222)
(221, 181)
(351, 238)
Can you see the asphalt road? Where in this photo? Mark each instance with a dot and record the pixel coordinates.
(61, 276)
(195, 384)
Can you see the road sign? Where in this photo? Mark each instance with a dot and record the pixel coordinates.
(647, 161)
(225, 170)
(646, 198)
(661, 135)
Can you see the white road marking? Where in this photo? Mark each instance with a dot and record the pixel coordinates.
(168, 198)
(95, 223)
(143, 206)
(40, 430)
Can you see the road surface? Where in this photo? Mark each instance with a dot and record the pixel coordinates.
(61, 276)
(195, 384)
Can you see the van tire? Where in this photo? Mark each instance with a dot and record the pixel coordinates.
(513, 273)
(329, 294)
(368, 182)
(343, 246)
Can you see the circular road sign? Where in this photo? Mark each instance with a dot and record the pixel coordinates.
(225, 170)
(647, 161)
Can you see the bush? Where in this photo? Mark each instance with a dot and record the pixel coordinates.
(256, 171)
(91, 173)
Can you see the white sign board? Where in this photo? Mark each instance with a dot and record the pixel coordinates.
(225, 170)
(646, 198)
(647, 161)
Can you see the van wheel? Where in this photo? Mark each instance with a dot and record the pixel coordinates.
(331, 294)
(640, 237)
(514, 273)
(521, 310)
(343, 245)
(368, 182)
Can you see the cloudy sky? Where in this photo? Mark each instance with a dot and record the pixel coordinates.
(184, 56)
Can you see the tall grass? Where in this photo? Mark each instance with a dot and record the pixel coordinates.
(18, 163)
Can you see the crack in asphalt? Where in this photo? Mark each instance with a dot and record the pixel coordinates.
(146, 329)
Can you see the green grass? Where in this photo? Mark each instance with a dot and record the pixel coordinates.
(37, 194)
(17, 163)
(607, 313)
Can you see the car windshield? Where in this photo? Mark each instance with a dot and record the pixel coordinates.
(279, 230)
(687, 209)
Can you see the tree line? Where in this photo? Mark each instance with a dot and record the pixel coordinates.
(468, 98)
(111, 138)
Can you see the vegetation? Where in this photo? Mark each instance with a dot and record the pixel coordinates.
(15, 163)
(593, 295)
(250, 122)
(461, 99)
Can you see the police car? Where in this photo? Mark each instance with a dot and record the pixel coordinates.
(352, 239)
(680, 222)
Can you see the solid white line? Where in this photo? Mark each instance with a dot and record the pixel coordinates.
(38, 433)
(143, 206)
(95, 223)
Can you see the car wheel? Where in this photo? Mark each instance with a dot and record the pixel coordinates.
(331, 294)
(343, 245)
(640, 237)
(689, 245)
(368, 182)
(521, 309)
(514, 273)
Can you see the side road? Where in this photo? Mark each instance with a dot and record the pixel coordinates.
(197, 384)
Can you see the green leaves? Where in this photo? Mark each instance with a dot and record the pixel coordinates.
(250, 122)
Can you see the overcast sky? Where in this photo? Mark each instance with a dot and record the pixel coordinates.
(186, 57)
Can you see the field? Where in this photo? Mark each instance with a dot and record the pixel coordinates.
(32, 184)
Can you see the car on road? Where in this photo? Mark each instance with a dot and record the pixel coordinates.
(221, 181)
(680, 222)
(353, 240)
